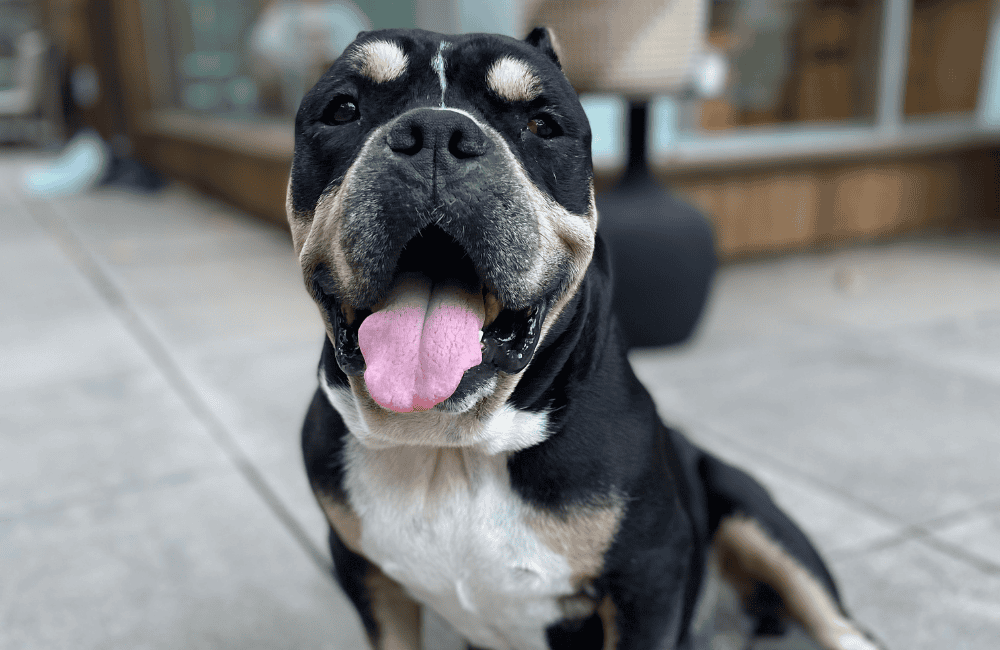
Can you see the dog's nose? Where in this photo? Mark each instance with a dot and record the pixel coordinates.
(438, 131)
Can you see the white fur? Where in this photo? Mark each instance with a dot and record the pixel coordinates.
(381, 61)
(342, 400)
(437, 62)
(470, 400)
(445, 524)
(513, 80)
(855, 642)
(511, 430)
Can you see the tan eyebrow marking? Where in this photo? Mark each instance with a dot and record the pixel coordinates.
(513, 80)
(381, 61)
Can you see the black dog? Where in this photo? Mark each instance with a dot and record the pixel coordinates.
(479, 442)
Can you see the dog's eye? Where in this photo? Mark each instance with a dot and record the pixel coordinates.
(543, 127)
(341, 111)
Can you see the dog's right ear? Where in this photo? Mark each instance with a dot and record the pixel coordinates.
(545, 39)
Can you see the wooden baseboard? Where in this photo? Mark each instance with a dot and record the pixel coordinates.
(783, 209)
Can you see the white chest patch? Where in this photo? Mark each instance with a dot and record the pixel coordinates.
(445, 524)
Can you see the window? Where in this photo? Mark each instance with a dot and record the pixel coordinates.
(243, 58)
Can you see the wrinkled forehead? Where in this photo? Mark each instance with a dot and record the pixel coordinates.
(499, 82)
(506, 72)
(452, 65)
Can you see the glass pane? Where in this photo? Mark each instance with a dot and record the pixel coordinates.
(947, 42)
(16, 18)
(793, 61)
(253, 57)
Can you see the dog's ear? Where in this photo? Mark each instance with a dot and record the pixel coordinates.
(545, 39)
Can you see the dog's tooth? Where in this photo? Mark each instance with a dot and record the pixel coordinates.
(480, 335)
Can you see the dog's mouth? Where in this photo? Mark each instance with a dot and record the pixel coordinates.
(438, 332)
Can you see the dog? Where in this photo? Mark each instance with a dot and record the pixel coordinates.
(478, 441)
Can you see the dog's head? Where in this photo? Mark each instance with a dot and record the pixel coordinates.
(441, 205)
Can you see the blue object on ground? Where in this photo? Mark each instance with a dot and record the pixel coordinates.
(81, 166)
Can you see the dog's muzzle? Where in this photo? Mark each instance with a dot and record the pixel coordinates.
(439, 329)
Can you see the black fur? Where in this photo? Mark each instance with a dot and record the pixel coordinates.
(606, 441)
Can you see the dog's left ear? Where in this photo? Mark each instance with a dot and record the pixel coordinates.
(545, 39)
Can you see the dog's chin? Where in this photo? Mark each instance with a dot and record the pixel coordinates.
(477, 384)
(465, 419)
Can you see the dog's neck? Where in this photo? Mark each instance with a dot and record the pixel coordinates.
(583, 342)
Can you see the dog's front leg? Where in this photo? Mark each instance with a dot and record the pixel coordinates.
(391, 618)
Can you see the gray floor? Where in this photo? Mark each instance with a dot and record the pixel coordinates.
(158, 353)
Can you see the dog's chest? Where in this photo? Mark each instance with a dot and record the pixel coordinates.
(446, 525)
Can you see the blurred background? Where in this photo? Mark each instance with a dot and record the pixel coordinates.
(803, 199)
(788, 123)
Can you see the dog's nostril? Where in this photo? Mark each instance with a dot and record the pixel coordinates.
(467, 145)
(406, 139)
(455, 145)
(443, 132)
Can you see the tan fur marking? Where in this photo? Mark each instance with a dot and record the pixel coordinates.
(318, 241)
(608, 614)
(329, 218)
(397, 615)
(513, 80)
(343, 519)
(577, 607)
(381, 61)
(759, 556)
(298, 222)
(582, 536)
(492, 309)
(435, 473)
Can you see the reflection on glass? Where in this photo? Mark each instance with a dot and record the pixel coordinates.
(794, 61)
(251, 57)
(947, 41)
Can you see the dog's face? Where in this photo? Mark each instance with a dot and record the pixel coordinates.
(442, 208)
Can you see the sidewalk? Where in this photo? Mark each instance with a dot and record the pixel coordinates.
(159, 353)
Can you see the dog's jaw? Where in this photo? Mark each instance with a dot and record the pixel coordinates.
(501, 428)
(454, 422)
(482, 419)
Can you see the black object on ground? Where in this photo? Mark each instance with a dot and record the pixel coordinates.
(134, 175)
(663, 251)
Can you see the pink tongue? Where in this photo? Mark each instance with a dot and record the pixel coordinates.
(418, 346)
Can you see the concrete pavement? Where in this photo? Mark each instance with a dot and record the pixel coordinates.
(159, 352)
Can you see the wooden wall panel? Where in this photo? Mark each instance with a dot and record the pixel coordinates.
(757, 212)
(253, 183)
(947, 40)
(828, 204)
